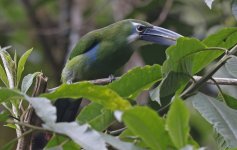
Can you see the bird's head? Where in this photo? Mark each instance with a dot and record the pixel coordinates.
(147, 32)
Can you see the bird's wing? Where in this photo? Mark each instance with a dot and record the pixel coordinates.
(85, 44)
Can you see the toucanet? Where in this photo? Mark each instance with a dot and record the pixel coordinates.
(101, 52)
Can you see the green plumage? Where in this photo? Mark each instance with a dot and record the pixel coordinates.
(113, 52)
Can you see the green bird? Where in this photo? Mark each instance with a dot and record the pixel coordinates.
(100, 53)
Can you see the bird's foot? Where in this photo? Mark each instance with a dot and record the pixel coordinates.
(111, 78)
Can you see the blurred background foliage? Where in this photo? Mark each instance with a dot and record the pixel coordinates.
(52, 27)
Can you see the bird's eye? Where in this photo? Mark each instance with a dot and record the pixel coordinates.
(140, 28)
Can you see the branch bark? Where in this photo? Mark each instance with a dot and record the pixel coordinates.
(220, 81)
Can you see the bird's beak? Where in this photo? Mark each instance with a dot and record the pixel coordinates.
(159, 35)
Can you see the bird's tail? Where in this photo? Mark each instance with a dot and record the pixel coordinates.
(67, 109)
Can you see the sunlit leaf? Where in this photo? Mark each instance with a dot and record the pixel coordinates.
(177, 123)
(21, 64)
(146, 124)
(219, 115)
(99, 94)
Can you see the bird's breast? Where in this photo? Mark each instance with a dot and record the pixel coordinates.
(104, 60)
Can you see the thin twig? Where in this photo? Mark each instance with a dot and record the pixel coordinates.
(220, 81)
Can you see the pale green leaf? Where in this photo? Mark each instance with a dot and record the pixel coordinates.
(27, 81)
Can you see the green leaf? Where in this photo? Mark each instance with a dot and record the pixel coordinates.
(189, 56)
(230, 101)
(99, 94)
(225, 38)
(173, 83)
(21, 64)
(180, 56)
(178, 66)
(27, 81)
(3, 76)
(136, 80)
(146, 124)
(61, 142)
(9, 93)
(97, 116)
(231, 66)
(177, 123)
(219, 115)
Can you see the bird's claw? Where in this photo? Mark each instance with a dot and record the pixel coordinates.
(111, 78)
